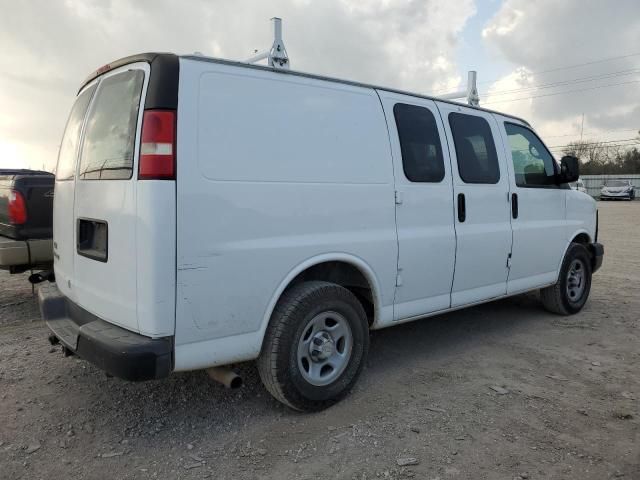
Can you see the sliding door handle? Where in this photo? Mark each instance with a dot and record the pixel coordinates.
(462, 208)
(514, 205)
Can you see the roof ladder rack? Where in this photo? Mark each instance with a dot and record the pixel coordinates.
(470, 93)
(276, 56)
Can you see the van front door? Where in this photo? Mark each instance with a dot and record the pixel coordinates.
(424, 205)
(481, 196)
(539, 237)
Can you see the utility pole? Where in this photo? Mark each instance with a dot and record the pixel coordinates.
(581, 127)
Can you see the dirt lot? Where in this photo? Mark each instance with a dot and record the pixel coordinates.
(571, 409)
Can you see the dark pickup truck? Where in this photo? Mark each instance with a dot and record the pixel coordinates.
(26, 219)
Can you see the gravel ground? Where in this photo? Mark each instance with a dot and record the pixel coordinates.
(499, 391)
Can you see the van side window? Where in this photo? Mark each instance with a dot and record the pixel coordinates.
(109, 141)
(533, 165)
(475, 149)
(420, 145)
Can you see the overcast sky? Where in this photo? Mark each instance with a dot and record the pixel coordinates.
(540, 49)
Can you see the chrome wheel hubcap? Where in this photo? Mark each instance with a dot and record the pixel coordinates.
(576, 279)
(324, 348)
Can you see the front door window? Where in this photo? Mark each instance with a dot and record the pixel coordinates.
(533, 165)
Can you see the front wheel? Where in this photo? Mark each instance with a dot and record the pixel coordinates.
(571, 291)
(315, 346)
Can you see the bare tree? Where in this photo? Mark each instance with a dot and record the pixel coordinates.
(606, 158)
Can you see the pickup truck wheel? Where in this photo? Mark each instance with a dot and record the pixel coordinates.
(315, 346)
(570, 293)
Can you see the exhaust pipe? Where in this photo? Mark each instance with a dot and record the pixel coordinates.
(225, 376)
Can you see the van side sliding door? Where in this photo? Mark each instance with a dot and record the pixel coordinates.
(424, 205)
(481, 195)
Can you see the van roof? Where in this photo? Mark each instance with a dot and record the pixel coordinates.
(152, 56)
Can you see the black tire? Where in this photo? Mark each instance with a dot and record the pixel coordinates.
(557, 298)
(278, 364)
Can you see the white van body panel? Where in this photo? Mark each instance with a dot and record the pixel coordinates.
(272, 171)
(156, 260)
(580, 218)
(277, 172)
(135, 287)
(238, 348)
(581, 215)
(63, 235)
(108, 289)
(484, 238)
(64, 222)
(425, 217)
(539, 232)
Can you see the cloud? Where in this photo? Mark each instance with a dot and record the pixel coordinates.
(544, 35)
(49, 47)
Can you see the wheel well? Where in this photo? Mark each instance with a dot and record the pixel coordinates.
(345, 275)
(582, 238)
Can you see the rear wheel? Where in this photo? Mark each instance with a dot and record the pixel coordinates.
(315, 346)
(570, 293)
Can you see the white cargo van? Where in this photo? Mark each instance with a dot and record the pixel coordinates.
(210, 212)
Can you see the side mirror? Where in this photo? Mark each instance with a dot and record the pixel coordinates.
(569, 170)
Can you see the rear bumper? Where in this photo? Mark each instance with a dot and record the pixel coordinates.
(14, 253)
(597, 255)
(115, 350)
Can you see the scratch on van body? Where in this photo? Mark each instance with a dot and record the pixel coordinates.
(191, 267)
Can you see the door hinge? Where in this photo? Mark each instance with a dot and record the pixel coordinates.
(398, 197)
(509, 261)
(398, 280)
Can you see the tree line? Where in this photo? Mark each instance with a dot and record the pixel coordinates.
(601, 158)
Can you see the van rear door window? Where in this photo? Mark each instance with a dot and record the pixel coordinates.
(71, 138)
(475, 149)
(109, 141)
(420, 146)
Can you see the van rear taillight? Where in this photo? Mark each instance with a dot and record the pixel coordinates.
(158, 145)
(17, 208)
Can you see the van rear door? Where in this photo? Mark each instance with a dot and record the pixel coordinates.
(105, 199)
(63, 218)
(114, 235)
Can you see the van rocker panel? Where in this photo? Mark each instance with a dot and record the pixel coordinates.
(117, 351)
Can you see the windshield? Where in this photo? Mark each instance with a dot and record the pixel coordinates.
(616, 183)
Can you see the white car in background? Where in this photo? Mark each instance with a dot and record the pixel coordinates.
(613, 189)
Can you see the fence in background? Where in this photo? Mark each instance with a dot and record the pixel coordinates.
(593, 183)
